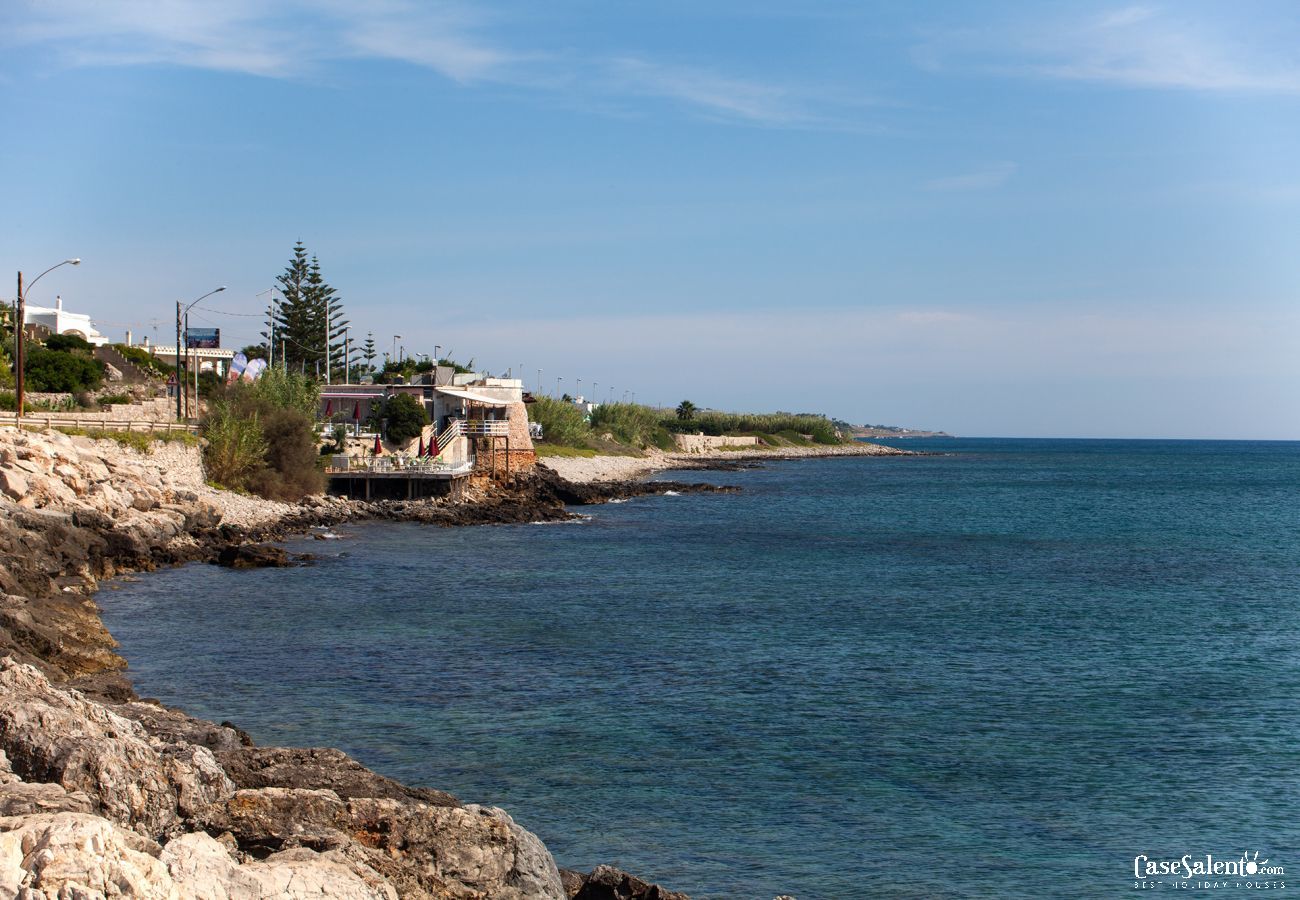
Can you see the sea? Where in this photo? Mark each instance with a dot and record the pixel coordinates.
(1003, 668)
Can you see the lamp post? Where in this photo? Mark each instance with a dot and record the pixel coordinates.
(347, 357)
(20, 313)
(186, 316)
(396, 338)
(558, 379)
(270, 326)
(539, 382)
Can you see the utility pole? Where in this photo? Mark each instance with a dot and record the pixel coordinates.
(178, 361)
(19, 316)
(327, 343)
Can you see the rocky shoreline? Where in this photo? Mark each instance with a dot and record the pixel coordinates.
(104, 794)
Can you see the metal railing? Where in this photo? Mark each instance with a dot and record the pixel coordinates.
(384, 465)
(483, 428)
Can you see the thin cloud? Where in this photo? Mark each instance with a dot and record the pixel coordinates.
(1136, 46)
(294, 38)
(729, 97)
(984, 179)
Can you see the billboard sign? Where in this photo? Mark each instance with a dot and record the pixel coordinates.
(203, 338)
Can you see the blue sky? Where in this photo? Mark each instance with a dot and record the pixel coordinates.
(1054, 219)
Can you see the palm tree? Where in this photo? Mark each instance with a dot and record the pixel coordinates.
(686, 410)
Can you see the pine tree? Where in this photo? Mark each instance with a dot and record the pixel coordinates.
(293, 321)
(329, 324)
(310, 314)
(368, 350)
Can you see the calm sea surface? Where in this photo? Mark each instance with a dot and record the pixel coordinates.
(1006, 670)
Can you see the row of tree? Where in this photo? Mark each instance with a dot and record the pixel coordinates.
(307, 327)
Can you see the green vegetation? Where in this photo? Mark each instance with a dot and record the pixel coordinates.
(562, 423)
(65, 343)
(631, 425)
(310, 315)
(406, 417)
(60, 371)
(114, 399)
(789, 425)
(261, 437)
(545, 449)
(144, 360)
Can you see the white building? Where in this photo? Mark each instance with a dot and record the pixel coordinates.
(60, 321)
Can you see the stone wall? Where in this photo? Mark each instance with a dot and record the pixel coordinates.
(702, 443)
(154, 409)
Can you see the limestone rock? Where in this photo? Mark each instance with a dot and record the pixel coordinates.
(61, 737)
(202, 865)
(609, 883)
(254, 556)
(292, 767)
(75, 856)
(12, 483)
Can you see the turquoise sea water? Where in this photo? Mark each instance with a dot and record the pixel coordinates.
(1002, 671)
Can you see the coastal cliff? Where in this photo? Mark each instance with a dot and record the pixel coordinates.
(104, 794)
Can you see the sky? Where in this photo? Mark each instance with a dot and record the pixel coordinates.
(1002, 218)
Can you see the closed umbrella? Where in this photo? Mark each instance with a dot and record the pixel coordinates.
(329, 409)
(378, 449)
(421, 453)
(433, 445)
(356, 411)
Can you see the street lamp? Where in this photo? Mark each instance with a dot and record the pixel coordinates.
(396, 338)
(20, 313)
(557, 387)
(270, 325)
(186, 316)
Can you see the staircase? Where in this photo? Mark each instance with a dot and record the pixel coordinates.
(131, 373)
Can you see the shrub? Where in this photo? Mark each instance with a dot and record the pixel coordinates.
(57, 372)
(288, 390)
(291, 472)
(236, 448)
(8, 401)
(406, 417)
(67, 342)
(114, 399)
(144, 359)
(718, 423)
(562, 423)
(260, 438)
(630, 423)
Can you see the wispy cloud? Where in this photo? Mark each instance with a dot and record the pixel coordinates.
(297, 38)
(708, 91)
(1134, 46)
(984, 179)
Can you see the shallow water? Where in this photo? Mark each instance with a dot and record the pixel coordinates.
(1006, 670)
